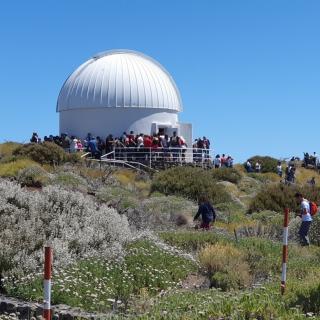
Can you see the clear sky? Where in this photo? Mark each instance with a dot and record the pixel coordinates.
(248, 71)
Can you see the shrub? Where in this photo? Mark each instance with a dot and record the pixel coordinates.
(278, 197)
(189, 182)
(314, 233)
(11, 169)
(70, 180)
(159, 213)
(33, 176)
(45, 153)
(227, 266)
(309, 300)
(226, 174)
(262, 255)
(73, 223)
(7, 148)
(268, 164)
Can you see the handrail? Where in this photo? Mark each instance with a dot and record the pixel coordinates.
(107, 154)
(84, 155)
(128, 164)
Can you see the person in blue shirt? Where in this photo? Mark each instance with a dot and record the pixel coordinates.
(93, 148)
(207, 212)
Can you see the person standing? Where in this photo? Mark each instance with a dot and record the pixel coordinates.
(258, 167)
(279, 169)
(217, 161)
(306, 219)
(208, 214)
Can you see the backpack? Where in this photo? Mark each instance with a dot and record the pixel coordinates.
(313, 208)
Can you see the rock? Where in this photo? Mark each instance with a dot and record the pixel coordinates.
(66, 316)
(23, 311)
(3, 307)
(11, 307)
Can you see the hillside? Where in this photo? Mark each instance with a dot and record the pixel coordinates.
(125, 245)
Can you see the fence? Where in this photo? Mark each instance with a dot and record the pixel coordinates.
(156, 157)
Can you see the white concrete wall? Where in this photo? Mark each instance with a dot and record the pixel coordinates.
(104, 121)
(185, 130)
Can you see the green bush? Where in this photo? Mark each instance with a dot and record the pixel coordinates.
(226, 174)
(262, 255)
(191, 183)
(278, 197)
(45, 153)
(314, 233)
(225, 280)
(309, 300)
(268, 164)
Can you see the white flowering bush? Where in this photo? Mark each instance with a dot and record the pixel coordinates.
(71, 222)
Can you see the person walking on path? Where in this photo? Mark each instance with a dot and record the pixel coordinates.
(208, 214)
(306, 219)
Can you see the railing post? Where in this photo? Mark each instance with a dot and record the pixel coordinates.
(284, 251)
(47, 283)
(150, 160)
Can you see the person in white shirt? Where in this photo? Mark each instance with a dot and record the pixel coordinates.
(316, 159)
(306, 219)
(279, 169)
(258, 167)
(217, 161)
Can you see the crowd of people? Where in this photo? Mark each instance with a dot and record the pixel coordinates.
(251, 167)
(132, 147)
(223, 161)
(312, 160)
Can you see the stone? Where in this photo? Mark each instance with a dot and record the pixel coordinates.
(11, 307)
(24, 311)
(3, 307)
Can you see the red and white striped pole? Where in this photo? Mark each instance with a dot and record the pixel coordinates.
(47, 283)
(285, 250)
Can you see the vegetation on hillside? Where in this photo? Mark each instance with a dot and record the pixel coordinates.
(268, 164)
(125, 241)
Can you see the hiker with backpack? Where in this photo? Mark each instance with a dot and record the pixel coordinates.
(308, 209)
(208, 214)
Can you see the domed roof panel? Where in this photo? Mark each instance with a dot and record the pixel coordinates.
(120, 79)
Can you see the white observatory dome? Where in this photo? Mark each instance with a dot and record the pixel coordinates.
(119, 79)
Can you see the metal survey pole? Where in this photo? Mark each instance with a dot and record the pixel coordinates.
(285, 250)
(47, 283)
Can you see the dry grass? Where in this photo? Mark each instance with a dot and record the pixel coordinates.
(236, 225)
(303, 175)
(218, 257)
(11, 169)
(7, 148)
(91, 173)
(125, 176)
(129, 178)
(226, 264)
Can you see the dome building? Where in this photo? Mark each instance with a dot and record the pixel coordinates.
(120, 91)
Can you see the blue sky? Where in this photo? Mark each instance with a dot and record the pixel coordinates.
(248, 71)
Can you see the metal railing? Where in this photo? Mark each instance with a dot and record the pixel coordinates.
(152, 157)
